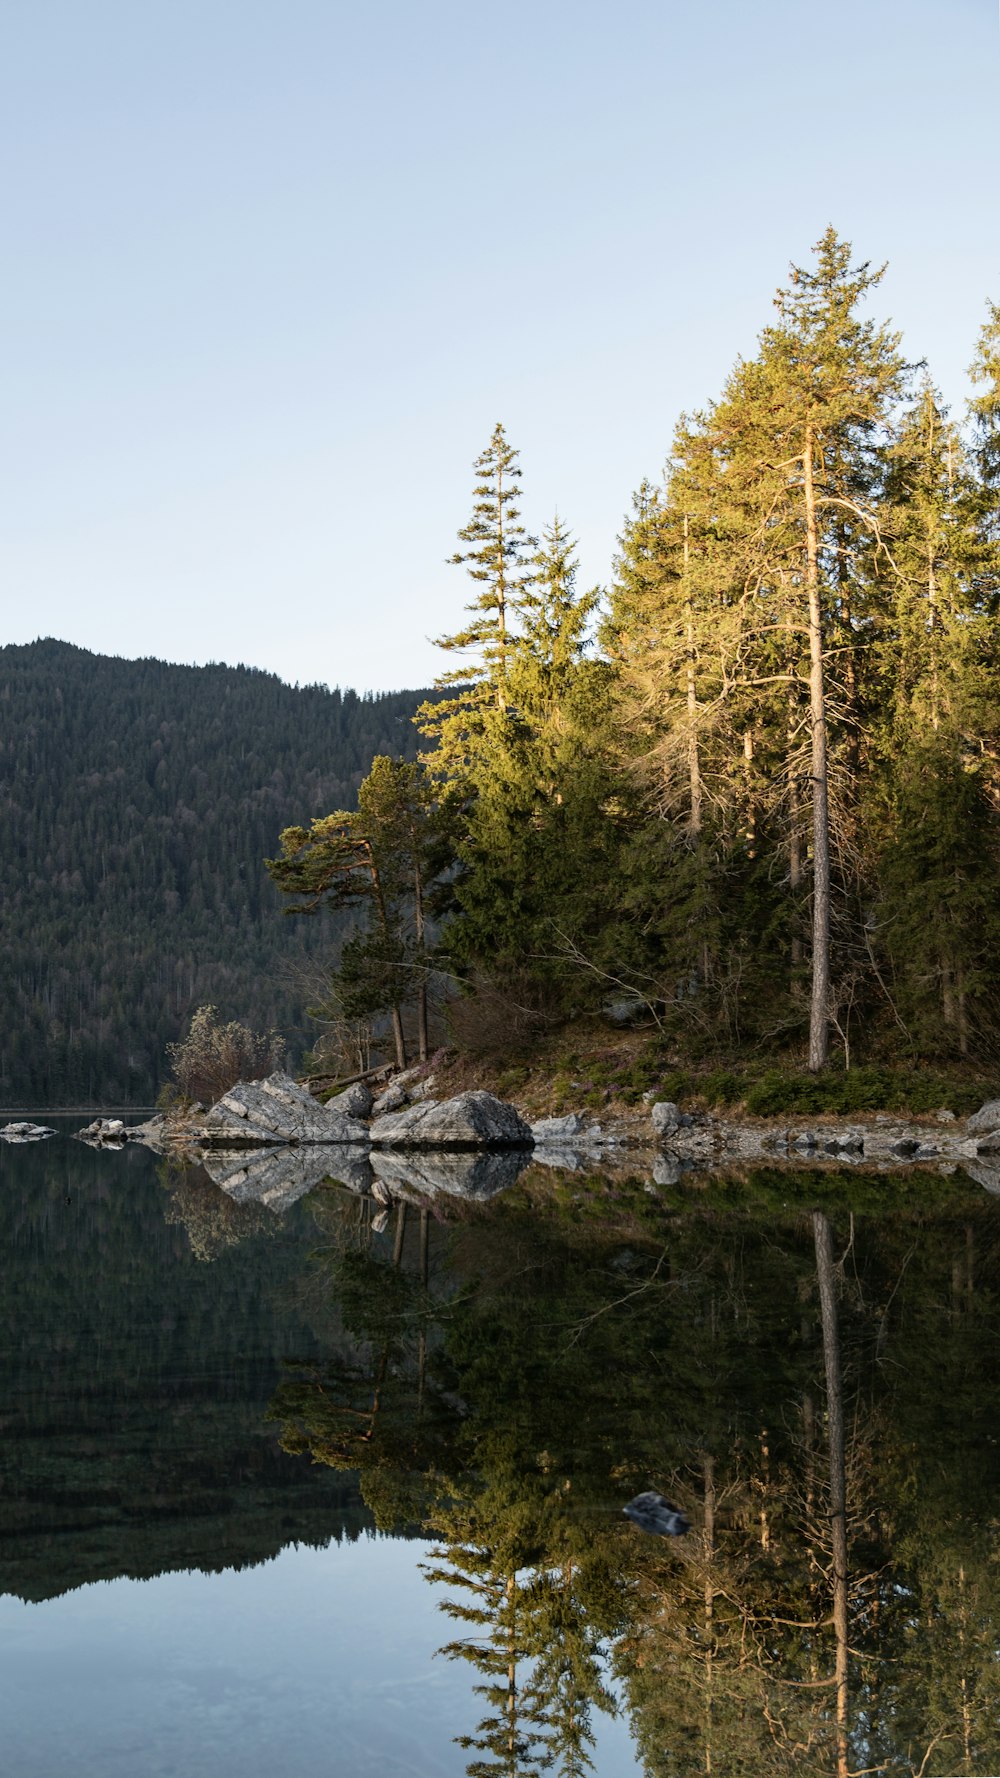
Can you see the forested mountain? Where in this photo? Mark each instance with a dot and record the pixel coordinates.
(137, 802)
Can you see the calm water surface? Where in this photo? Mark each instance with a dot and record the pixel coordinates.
(311, 1477)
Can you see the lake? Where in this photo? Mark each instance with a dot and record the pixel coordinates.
(331, 1479)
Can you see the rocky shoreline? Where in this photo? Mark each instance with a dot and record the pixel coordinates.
(406, 1117)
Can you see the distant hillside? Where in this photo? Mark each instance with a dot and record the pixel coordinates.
(137, 800)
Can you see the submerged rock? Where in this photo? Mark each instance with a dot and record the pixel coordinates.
(472, 1120)
(652, 1513)
(276, 1110)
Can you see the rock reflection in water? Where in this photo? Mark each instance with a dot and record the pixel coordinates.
(278, 1177)
(768, 1370)
(459, 1175)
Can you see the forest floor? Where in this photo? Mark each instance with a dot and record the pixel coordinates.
(617, 1075)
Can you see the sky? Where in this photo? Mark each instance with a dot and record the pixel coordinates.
(273, 272)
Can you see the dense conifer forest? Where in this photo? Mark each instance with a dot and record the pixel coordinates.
(749, 794)
(752, 790)
(137, 800)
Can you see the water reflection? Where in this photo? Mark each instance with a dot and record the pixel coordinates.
(806, 1365)
(816, 1389)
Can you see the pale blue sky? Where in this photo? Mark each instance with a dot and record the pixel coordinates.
(273, 271)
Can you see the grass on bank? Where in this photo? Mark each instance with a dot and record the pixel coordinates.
(586, 1069)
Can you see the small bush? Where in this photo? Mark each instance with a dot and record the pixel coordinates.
(213, 1057)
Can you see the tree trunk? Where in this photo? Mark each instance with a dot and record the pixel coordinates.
(418, 927)
(694, 770)
(398, 1038)
(838, 1478)
(819, 1028)
(709, 1548)
(383, 914)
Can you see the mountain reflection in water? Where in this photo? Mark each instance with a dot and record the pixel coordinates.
(499, 1357)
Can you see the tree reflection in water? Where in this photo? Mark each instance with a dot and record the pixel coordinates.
(815, 1389)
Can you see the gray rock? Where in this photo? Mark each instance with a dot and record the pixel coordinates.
(22, 1132)
(623, 1010)
(472, 1120)
(557, 1130)
(666, 1117)
(393, 1099)
(987, 1177)
(906, 1148)
(355, 1101)
(152, 1132)
(667, 1170)
(456, 1175)
(108, 1131)
(984, 1121)
(944, 1116)
(276, 1109)
(805, 1142)
(846, 1142)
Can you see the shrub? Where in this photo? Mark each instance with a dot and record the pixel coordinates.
(213, 1057)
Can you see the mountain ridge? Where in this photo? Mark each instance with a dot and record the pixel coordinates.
(138, 799)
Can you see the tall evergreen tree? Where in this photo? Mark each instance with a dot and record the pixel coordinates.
(497, 559)
(833, 379)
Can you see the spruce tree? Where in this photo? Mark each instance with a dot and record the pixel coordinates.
(833, 379)
(496, 557)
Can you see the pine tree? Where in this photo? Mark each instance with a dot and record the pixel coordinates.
(379, 858)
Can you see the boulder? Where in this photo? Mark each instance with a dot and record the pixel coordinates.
(984, 1121)
(625, 1010)
(276, 1110)
(396, 1095)
(573, 1132)
(666, 1117)
(153, 1133)
(25, 1132)
(553, 1131)
(355, 1101)
(472, 1120)
(477, 1176)
(986, 1176)
(104, 1131)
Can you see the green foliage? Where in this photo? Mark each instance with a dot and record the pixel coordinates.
(380, 858)
(798, 682)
